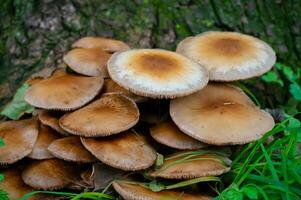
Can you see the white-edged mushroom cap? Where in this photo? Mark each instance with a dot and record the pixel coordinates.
(156, 73)
(220, 114)
(229, 56)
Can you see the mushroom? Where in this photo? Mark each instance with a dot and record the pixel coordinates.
(156, 73)
(63, 91)
(70, 149)
(45, 137)
(131, 191)
(111, 87)
(51, 119)
(106, 44)
(229, 56)
(19, 138)
(128, 151)
(169, 134)
(111, 114)
(14, 185)
(90, 62)
(188, 165)
(49, 174)
(220, 114)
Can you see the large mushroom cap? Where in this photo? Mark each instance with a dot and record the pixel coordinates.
(111, 114)
(51, 119)
(229, 56)
(90, 62)
(14, 185)
(194, 166)
(106, 44)
(156, 73)
(48, 174)
(127, 151)
(169, 134)
(19, 138)
(136, 192)
(70, 149)
(220, 114)
(63, 91)
(46, 136)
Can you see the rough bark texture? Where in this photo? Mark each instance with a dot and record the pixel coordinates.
(36, 33)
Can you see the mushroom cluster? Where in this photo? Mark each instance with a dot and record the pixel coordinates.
(121, 108)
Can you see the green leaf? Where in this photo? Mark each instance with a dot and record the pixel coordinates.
(160, 160)
(18, 107)
(231, 193)
(1, 177)
(272, 77)
(1, 142)
(155, 186)
(295, 90)
(250, 191)
(3, 195)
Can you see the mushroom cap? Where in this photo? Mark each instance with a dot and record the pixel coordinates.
(90, 62)
(156, 73)
(128, 151)
(220, 114)
(111, 114)
(48, 174)
(51, 119)
(70, 149)
(63, 91)
(201, 165)
(136, 192)
(111, 87)
(19, 138)
(169, 134)
(45, 137)
(106, 44)
(229, 56)
(14, 185)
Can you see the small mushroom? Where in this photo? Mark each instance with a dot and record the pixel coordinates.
(19, 138)
(51, 119)
(45, 137)
(49, 174)
(229, 56)
(106, 44)
(169, 134)
(128, 151)
(90, 62)
(182, 165)
(130, 191)
(156, 73)
(111, 114)
(63, 91)
(70, 149)
(220, 114)
(14, 185)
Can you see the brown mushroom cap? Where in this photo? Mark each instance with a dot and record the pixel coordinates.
(229, 56)
(156, 73)
(90, 62)
(45, 137)
(63, 91)
(70, 149)
(127, 151)
(19, 138)
(199, 166)
(51, 119)
(111, 87)
(106, 44)
(111, 114)
(169, 134)
(14, 185)
(136, 192)
(220, 114)
(48, 174)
